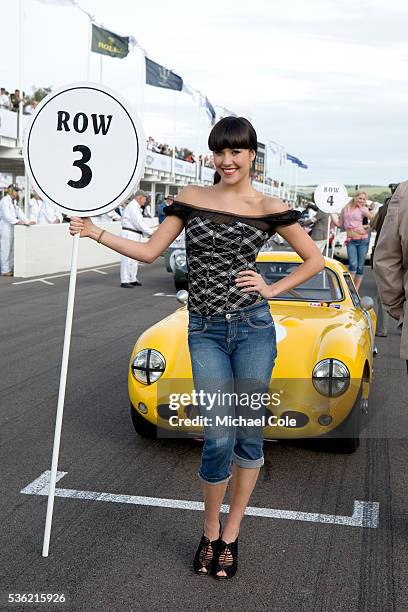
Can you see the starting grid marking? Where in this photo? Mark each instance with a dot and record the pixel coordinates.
(365, 514)
(46, 281)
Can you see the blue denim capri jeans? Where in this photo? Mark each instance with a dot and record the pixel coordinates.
(356, 252)
(232, 356)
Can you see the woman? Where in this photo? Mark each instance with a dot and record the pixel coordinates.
(231, 334)
(358, 238)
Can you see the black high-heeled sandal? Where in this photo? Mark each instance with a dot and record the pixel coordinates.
(226, 559)
(205, 555)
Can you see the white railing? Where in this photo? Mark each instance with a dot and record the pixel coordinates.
(8, 124)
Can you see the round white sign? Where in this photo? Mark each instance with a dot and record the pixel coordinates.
(84, 149)
(330, 197)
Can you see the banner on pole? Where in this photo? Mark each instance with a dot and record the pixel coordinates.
(159, 76)
(109, 43)
(209, 109)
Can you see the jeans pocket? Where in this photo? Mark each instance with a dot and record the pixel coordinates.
(260, 320)
(196, 326)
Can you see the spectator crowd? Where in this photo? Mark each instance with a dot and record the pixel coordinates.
(164, 149)
(11, 101)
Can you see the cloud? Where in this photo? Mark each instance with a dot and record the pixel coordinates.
(325, 78)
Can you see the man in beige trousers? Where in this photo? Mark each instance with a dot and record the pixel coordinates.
(391, 262)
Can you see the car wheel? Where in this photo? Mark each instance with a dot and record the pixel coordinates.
(179, 284)
(346, 437)
(142, 426)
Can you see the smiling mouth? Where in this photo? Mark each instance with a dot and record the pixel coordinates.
(229, 171)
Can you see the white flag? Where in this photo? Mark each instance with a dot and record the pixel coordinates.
(191, 92)
(273, 146)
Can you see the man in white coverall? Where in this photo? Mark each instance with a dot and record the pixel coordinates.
(10, 215)
(34, 208)
(48, 213)
(133, 227)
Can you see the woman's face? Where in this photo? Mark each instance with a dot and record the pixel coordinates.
(361, 200)
(233, 164)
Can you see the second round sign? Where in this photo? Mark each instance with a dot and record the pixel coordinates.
(330, 197)
(84, 150)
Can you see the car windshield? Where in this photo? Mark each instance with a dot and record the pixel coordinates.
(322, 287)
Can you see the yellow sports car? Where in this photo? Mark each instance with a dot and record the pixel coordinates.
(322, 375)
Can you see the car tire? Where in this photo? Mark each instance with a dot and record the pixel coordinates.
(143, 427)
(346, 437)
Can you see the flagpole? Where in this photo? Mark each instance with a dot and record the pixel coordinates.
(142, 84)
(174, 134)
(198, 150)
(20, 72)
(101, 63)
(88, 62)
(91, 19)
(296, 182)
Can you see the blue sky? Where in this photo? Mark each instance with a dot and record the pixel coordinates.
(326, 79)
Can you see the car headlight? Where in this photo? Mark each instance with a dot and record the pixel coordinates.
(331, 377)
(180, 260)
(148, 365)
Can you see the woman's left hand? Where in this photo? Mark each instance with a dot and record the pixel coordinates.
(249, 281)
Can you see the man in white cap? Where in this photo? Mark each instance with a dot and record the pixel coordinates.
(10, 215)
(133, 227)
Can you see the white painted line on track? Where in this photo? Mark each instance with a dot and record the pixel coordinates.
(165, 294)
(44, 279)
(365, 514)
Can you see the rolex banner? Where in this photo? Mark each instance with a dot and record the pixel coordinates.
(108, 43)
(159, 76)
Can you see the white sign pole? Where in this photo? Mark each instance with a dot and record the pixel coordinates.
(61, 394)
(85, 153)
(328, 236)
(330, 197)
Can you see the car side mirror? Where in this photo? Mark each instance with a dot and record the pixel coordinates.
(367, 302)
(182, 296)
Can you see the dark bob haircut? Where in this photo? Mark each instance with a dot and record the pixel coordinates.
(233, 133)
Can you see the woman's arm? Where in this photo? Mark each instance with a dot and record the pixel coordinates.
(337, 222)
(313, 262)
(147, 252)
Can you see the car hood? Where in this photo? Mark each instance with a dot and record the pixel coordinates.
(305, 334)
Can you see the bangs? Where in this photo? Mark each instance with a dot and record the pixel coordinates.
(232, 133)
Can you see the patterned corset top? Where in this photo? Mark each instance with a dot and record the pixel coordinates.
(218, 246)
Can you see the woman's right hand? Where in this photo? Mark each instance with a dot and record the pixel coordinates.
(83, 225)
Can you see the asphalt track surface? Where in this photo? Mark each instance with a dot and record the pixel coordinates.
(116, 556)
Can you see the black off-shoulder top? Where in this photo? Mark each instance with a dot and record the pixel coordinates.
(218, 246)
(269, 222)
